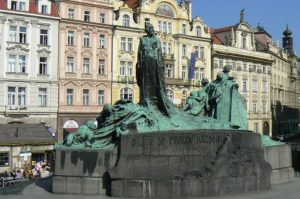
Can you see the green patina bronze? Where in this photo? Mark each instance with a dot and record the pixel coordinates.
(267, 141)
(218, 105)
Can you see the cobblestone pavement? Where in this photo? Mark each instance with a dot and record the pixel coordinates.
(41, 190)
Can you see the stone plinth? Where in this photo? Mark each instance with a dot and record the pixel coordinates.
(189, 164)
(81, 171)
(280, 158)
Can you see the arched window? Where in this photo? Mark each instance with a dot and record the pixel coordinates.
(184, 50)
(126, 21)
(126, 93)
(170, 94)
(198, 31)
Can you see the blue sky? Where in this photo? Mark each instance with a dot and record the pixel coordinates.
(273, 15)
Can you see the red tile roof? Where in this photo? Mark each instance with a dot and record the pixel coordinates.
(33, 7)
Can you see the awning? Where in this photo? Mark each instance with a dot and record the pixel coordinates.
(25, 134)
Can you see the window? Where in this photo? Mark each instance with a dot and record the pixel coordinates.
(244, 66)
(264, 107)
(234, 65)
(43, 66)
(12, 34)
(86, 97)
(22, 35)
(86, 40)
(221, 63)
(44, 9)
(126, 93)
(184, 29)
(202, 53)
(129, 44)
(102, 41)
(264, 87)
(22, 63)
(123, 43)
(12, 95)
(86, 65)
(13, 5)
(129, 68)
(169, 28)
(254, 86)
(101, 97)
(202, 73)
(126, 68)
(23, 6)
(184, 72)
(184, 50)
(70, 64)
(170, 94)
(12, 65)
(245, 85)
(264, 69)
(102, 18)
(196, 73)
(44, 37)
(169, 71)
(71, 13)
(101, 70)
(254, 68)
(4, 159)
(42, 98)
(167, 48)
(198, 31)
(147, 21)
(126, 44)
(126, 21)
(197, 51)
(70, 97)
(244, 42)
(21, 96)
(254, 107)
(256, 127)
(159, 26)
(86, 16)
(70, 38)
(123, 68)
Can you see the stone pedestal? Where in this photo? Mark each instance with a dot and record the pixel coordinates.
(167, 165)
(189, 164)
(81, 171)
(280, 158)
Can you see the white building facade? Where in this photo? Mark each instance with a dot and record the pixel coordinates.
(29, 62)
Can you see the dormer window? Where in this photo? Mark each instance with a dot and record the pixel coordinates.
(44, 9)
(13, 5)
(18, 5)
(244, 42)
(198, 31)
(126, 21)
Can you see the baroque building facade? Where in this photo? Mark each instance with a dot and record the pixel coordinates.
(235, 45)
(180, 36)
(85, 38)
(284, 97)
(28, 76)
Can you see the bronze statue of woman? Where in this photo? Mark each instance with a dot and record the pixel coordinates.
(150, 74)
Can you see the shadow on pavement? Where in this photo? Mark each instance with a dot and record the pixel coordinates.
(15, 189)
(45, 183)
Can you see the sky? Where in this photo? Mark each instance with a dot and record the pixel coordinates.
(273, 15)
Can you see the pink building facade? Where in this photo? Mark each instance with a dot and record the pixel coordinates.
(84, 61)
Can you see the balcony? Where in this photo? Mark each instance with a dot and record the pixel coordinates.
(126, 79)
(15, 110)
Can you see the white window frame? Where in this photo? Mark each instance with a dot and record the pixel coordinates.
(71, 36)
(70, 64)
(71, 13)
(102, 18)
(101, 97)
(43, 66)
(42, 97)
(85, 97)
(127, 93)
(86, 40)
(86, 65)
(102, 41)
(101, 69)
(70, 96)
(44, 37)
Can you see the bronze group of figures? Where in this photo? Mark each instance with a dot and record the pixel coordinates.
(218, 105)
